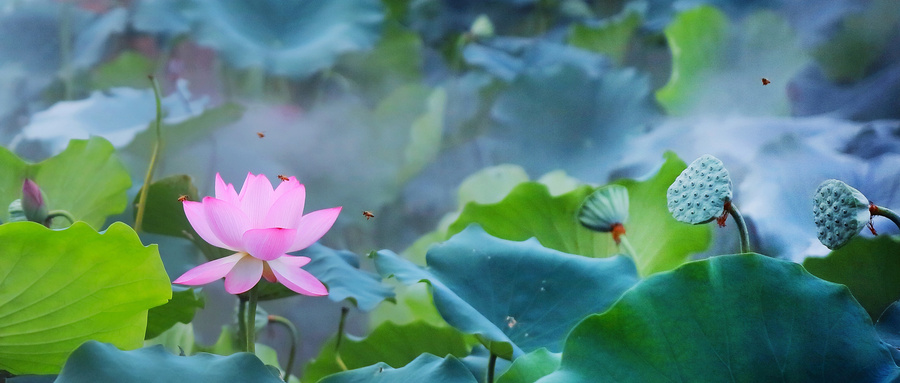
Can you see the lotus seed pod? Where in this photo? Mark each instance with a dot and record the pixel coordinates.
(604, 208)
(840, 212)
(16, 211)
(700, 192)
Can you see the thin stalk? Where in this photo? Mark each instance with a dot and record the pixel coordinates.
(142, 201)
(65, 51)
(492, 365)
(242, 322)
(625, 246)
(60, 213)
(251, 320)
(340, 335)
(887, 213)
(294, 341)
(742, 227)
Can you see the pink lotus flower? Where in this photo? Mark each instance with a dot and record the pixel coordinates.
(261, 225)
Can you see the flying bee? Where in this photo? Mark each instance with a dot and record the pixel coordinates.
(183, 198)
(766, 81)
(260, 134)
(368, 214)
(283, 178)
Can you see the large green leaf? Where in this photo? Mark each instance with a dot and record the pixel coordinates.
(390, 343)
(87, 179)
(180, 309)
(610, 37)
(395, 59)
(870, 267)
(340, 272)
(860, 40)
(59, 288)
(661, 242)
(718, 66)
(287, 38)
(99, 362)
(744, 318)
(530, 367)
(164, 212)
(514, 296)
(426, 368)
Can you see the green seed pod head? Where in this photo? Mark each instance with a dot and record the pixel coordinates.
(604, 208)
(840, 212)
(700, 192)
(16, 211)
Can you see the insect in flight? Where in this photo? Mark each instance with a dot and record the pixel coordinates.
(766, 81)
(260, 134)
(183, 198)
(368, 214)
(283, 178)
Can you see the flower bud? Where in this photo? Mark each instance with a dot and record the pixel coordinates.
(33, 202)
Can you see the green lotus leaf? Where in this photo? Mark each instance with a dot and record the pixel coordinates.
(59, 288)
(426, 368)
(287, 38)
(393, 344)
(718, 66)
(862, 37)
(396, 59)
(180, 309)
(340, 272)
(87, 179)
(530, 367)
(661, 242)
(868, 267)
(100, 362)
(164, 213)
(129, 69)
(514, 296)
(745, 317)
(610, 36)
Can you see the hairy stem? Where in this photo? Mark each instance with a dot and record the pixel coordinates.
(142, 201)
(294, 341)
(742, 227)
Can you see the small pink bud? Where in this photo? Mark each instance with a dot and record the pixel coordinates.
(33, 202)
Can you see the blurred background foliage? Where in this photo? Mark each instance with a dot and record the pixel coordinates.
(391, 106)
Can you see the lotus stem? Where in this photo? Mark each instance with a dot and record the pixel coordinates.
(742, 227)
(59, 213)
(294, 341)
(251, 319)
(65, 51)
(492, 364)
(142, 201)
(340, 336)
(887, 213)
(242, 322)
(625, 247)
